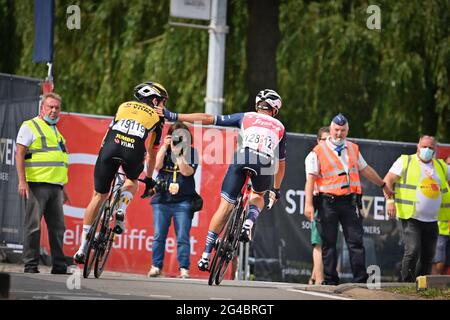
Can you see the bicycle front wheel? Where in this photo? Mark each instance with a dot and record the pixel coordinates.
(222, 265)
(213, 269)
(92, 243)
(102, 256)
(227, 249)
(107, 239)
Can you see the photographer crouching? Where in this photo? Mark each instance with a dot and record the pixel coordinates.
(175, 198)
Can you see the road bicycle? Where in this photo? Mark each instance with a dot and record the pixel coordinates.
(226, 249)
(102, 233)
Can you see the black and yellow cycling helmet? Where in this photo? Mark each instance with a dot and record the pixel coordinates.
(147, 91)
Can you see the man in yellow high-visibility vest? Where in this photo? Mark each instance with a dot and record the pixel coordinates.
(442, 255)
(422, 197)
(42, 164)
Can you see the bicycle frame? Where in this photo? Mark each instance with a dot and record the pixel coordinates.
(245, 192)
(107, 235)
(100, 236)
(226, 249)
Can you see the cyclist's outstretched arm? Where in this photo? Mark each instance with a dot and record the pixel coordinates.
(204, 118)
(233, 120)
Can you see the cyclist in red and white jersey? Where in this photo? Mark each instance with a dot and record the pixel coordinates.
(263, 149)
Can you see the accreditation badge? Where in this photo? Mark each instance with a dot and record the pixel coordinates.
(174, 188)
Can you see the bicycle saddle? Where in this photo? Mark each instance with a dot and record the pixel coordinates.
(249, 171)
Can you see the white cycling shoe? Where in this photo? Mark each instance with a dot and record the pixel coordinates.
(79, 257)
(119, 226)
(203, 264)
(246, 233)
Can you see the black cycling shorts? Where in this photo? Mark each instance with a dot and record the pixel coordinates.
(118, 145)
(234, 179)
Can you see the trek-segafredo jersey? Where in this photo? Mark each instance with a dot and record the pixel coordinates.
(259, 132)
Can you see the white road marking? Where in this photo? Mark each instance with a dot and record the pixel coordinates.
(65, 295)
(160, 296)
(54, 293)
(319, 294)
(86, 298)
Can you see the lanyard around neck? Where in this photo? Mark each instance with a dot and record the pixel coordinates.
(175, 173)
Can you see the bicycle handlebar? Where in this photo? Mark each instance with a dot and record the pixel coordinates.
(270, 204)
(272, 200)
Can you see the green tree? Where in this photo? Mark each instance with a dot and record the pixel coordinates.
(391, 83)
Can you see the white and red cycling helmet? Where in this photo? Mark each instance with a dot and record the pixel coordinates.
(270, 96)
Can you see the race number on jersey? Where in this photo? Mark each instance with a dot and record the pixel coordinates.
(130, 127)
(261, 132)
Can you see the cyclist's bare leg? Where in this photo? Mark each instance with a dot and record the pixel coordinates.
(220, 216)
(93, 207)
(130, 185)
(98, 198)
(90, 214)
(215, 227)
(128, 189)
(257, 199)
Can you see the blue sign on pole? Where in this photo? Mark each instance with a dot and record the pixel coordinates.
(43, 33)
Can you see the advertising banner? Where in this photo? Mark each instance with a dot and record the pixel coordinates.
(281, 250)
(19, 99)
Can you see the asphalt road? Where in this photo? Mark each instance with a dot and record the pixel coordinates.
(46, 286)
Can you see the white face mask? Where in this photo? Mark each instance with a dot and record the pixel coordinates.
(426, 154)
(338, 142)
(50, 121)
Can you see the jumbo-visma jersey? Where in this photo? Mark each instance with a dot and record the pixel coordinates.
(135, 119)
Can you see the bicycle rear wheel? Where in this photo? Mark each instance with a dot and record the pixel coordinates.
(92, 243)
(107, 239)
(225, 250)
(230, 243)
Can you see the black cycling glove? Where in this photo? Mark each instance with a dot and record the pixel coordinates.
(277, 193)
(149, 184)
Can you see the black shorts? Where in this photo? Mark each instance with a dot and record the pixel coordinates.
(234, 179)
(118, 145)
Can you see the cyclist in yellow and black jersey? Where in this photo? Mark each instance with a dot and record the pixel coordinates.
(135, 129)
(133, 124)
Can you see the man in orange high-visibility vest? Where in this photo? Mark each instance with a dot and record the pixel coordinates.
(335, 167)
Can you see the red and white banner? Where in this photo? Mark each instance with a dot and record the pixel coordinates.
(133, 249)
(132, 252)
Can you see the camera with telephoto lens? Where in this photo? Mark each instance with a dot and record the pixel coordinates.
(160, 186)
(176, 139)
